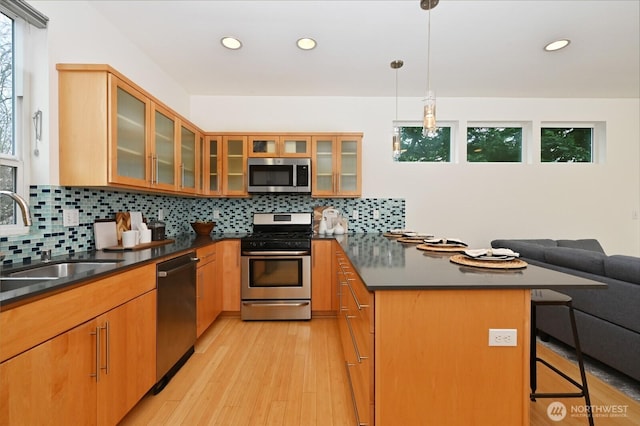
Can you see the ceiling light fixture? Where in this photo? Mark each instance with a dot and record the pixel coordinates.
(557, 45)
(396, 65)
(231, 43)
(306, 43)
(429, 118)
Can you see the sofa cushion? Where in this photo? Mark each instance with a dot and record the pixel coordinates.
(624, 268)
(584, 244)
(531, 249)
(582, 260)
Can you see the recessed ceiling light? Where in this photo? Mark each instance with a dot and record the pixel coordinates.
(231, 43)
(306, 43)
(557, 45)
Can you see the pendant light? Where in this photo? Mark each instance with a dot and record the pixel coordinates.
(397, 64)
(429, 114)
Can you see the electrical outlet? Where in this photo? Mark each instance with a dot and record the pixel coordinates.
(354, 214)
(634, 214)
(70, 217)
(503, 337)
(216, 214)
(160, 214)
(376, 214)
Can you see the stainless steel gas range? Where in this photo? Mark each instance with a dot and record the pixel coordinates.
(276, 267)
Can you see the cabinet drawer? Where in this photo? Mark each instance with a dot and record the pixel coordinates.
(206, 254)
(360, 381)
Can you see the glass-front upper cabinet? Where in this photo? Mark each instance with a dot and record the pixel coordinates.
(336, 166)
(212, 165)
(164, 149)
(323, 166)
(189, 171)
(130, 152)
(349, 166)
(279, 146)
(235, 165)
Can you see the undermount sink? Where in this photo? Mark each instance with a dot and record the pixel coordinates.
(59, 270)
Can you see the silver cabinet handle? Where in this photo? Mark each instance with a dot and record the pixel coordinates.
(360, 307)
(107, 350)
(353, 338)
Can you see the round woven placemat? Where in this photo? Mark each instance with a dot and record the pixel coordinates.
(441, 249)
(411, 240)
(461, 259)
(390, 235)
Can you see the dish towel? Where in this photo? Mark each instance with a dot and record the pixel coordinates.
(495, 253)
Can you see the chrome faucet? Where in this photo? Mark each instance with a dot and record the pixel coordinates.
(24, 207)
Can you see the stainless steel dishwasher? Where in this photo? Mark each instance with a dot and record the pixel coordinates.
(176, 328)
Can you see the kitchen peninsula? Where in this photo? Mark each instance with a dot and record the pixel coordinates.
(427, 359)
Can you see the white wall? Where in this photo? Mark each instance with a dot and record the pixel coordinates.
(475, 202)
(76, 33)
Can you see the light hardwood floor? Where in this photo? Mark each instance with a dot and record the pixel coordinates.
(292, 373)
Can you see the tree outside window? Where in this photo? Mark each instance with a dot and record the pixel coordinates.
(494, 144)
(7, 141)
(417, 148)
(566, 145)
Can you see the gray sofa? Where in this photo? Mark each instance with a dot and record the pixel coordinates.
(608, 319)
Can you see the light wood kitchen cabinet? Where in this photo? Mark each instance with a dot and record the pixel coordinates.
(133, 140)
(190, 159)
(229, 273)
(234, 154)
(356, 325)
(92, 374)
(279, 146)
(323, 295)
(208, 289)
(212, 165)
(336, 165)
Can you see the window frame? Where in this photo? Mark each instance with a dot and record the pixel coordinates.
(598, 143)
(20, 159)
(525, 143)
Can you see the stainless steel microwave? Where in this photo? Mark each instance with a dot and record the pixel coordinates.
(284, 175)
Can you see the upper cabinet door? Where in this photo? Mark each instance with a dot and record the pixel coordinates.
(164, 153)
(234, 152)
(295, 146)
(212, 165)
(129, 144)
(323, 167)
(349, 166)
(189, 169)
(264, 146)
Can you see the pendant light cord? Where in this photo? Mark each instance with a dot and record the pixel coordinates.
(429, 52)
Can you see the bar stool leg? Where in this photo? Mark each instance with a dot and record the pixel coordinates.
(533, 373)
(583, 375)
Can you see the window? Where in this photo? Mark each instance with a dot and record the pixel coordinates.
(415, 147)
(494, 144)
(9, 161)
(566, 144)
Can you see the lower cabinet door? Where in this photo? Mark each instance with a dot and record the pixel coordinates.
(53, 383)
(127, 357)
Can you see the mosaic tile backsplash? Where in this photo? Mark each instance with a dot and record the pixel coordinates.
(47, 204)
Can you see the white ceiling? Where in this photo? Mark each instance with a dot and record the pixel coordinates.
(478, 48)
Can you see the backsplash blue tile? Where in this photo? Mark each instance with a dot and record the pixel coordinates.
(48, 202)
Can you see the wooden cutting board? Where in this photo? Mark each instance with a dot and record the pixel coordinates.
(123, 223)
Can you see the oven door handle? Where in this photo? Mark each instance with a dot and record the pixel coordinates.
(276, 253)
(273, 304)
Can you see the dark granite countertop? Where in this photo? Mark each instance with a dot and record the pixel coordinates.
(385, 264)
(125, 260)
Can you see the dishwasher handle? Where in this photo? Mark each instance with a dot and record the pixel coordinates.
(164, 274)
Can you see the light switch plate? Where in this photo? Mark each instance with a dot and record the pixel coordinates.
(70, 217)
